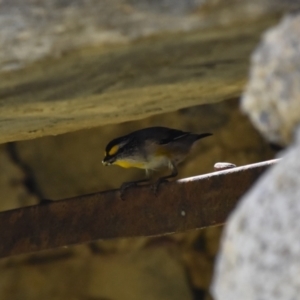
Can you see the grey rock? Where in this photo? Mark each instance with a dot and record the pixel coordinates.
(31, 30)
(272, 98)
(259, 258)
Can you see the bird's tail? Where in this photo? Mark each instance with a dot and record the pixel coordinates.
(202, 135)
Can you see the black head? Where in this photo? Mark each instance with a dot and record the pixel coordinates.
(114, 150)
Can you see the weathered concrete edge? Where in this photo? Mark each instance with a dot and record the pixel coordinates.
(94, 88)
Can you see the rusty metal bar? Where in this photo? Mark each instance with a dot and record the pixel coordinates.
(190, 203)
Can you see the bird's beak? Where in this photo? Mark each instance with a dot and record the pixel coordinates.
(107, 161)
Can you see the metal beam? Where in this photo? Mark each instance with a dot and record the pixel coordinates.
(190, 203)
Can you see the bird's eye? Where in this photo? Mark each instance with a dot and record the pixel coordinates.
(113, 150)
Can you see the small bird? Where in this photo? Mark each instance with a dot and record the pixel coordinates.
(151, 149)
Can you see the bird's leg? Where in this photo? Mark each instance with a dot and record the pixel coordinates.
(127, 185)
(174, 173)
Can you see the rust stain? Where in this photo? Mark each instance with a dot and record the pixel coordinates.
(190, 203)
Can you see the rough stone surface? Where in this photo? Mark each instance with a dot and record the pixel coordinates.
(170, 267)
(68, 65)
(261, 249)
(31, 30)
(98, 86)
(14, 192)
(150, 274)
(155, 273)
(272, 98)
(260, 252)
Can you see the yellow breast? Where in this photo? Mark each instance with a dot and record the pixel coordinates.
(129, 164)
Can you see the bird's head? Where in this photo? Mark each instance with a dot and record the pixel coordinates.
(115, 151)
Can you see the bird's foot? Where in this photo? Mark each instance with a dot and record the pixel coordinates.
(124, 187)
(156, 185)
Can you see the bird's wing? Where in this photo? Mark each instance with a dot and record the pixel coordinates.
(172, 135)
